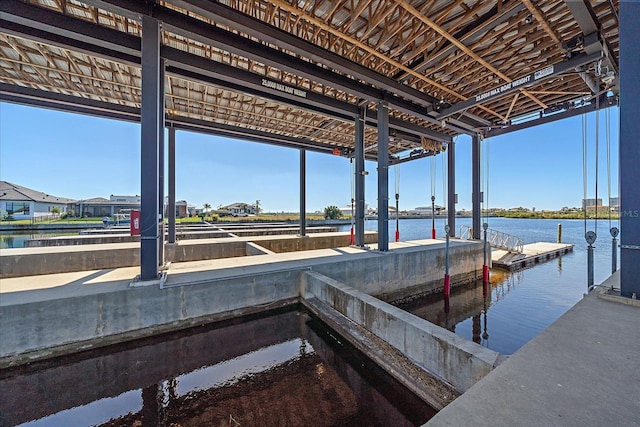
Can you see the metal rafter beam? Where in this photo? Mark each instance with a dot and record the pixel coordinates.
(41, 20)
(185, 65)
(73, 104)
(604, 103)
(269, 34)
(422, 102)
(543, 23)
(464, 48)
(525, 81)
(470, 33)
(586, 18)
(198, 30)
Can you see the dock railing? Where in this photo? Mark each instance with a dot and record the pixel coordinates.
(496, 239)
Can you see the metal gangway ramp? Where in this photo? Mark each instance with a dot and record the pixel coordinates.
(496, 239)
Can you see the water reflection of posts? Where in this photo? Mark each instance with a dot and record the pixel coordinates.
(485, 334)
(151, 405)
(447, 309)
(476, 328)
(485, 267)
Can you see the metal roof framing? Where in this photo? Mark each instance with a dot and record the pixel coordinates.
(244, 64)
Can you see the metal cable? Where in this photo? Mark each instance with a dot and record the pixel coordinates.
(608, 139)
(486, 194)
(444, 180)
(597, 142)
(432, 172)
(584, 169)
(353, 189)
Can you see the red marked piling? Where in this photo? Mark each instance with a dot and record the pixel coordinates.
(352, 239)
(447, 286)
(433, 233)
(485, 280)
(397, 235)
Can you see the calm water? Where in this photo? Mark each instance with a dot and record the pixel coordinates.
(521, 304)
(280, 370)
(11, 240)
(289, 369)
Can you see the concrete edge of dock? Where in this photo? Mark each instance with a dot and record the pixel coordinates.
(96, 310)
(581, 370)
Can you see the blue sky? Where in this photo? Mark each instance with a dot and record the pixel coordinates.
(75, 156)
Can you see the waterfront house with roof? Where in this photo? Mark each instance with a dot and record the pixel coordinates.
(240, 209)
(100, 207)
(20, 202)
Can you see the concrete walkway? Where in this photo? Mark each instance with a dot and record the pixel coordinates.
(584, 370)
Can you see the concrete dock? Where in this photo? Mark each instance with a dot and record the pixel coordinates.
(22, 262)
(581, 371)
(532, 254)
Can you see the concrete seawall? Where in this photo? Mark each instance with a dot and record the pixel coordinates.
(96, 237)
(90, 316)
(78, 310)
(452, 358)
(52, 260)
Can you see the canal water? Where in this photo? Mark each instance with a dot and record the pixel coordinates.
(282, 369)
(288, 368)
(521, 304)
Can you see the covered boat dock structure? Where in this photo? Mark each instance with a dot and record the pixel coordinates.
(390, 81)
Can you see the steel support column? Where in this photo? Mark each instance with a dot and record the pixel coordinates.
(451, 187)
(383, 176)
(475, 186)
(161, 166)
(303, 192)
(629, 151)
(171, 206)
(359, 178)
(150, 139)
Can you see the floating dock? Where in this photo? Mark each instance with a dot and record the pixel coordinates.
(532, 254)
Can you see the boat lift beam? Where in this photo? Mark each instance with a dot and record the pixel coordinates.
(151, 125)
(629, 150)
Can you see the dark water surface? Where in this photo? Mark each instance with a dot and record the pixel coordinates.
(283, 369)
(521, 304)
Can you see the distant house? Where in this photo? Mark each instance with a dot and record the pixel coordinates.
(20, 202)
(239, 209)
(426, 210)
(99, 206)
(346, 210)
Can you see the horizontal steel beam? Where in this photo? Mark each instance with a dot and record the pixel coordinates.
(223, 14)
(197, 30)
(604, 103)
(397, 161)
(74, 104)
(252, 135)
(399, 96)
(180, 63)
(587, 19)
(471, 32)
(521, 83)
(67, 103)
(86, 36)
